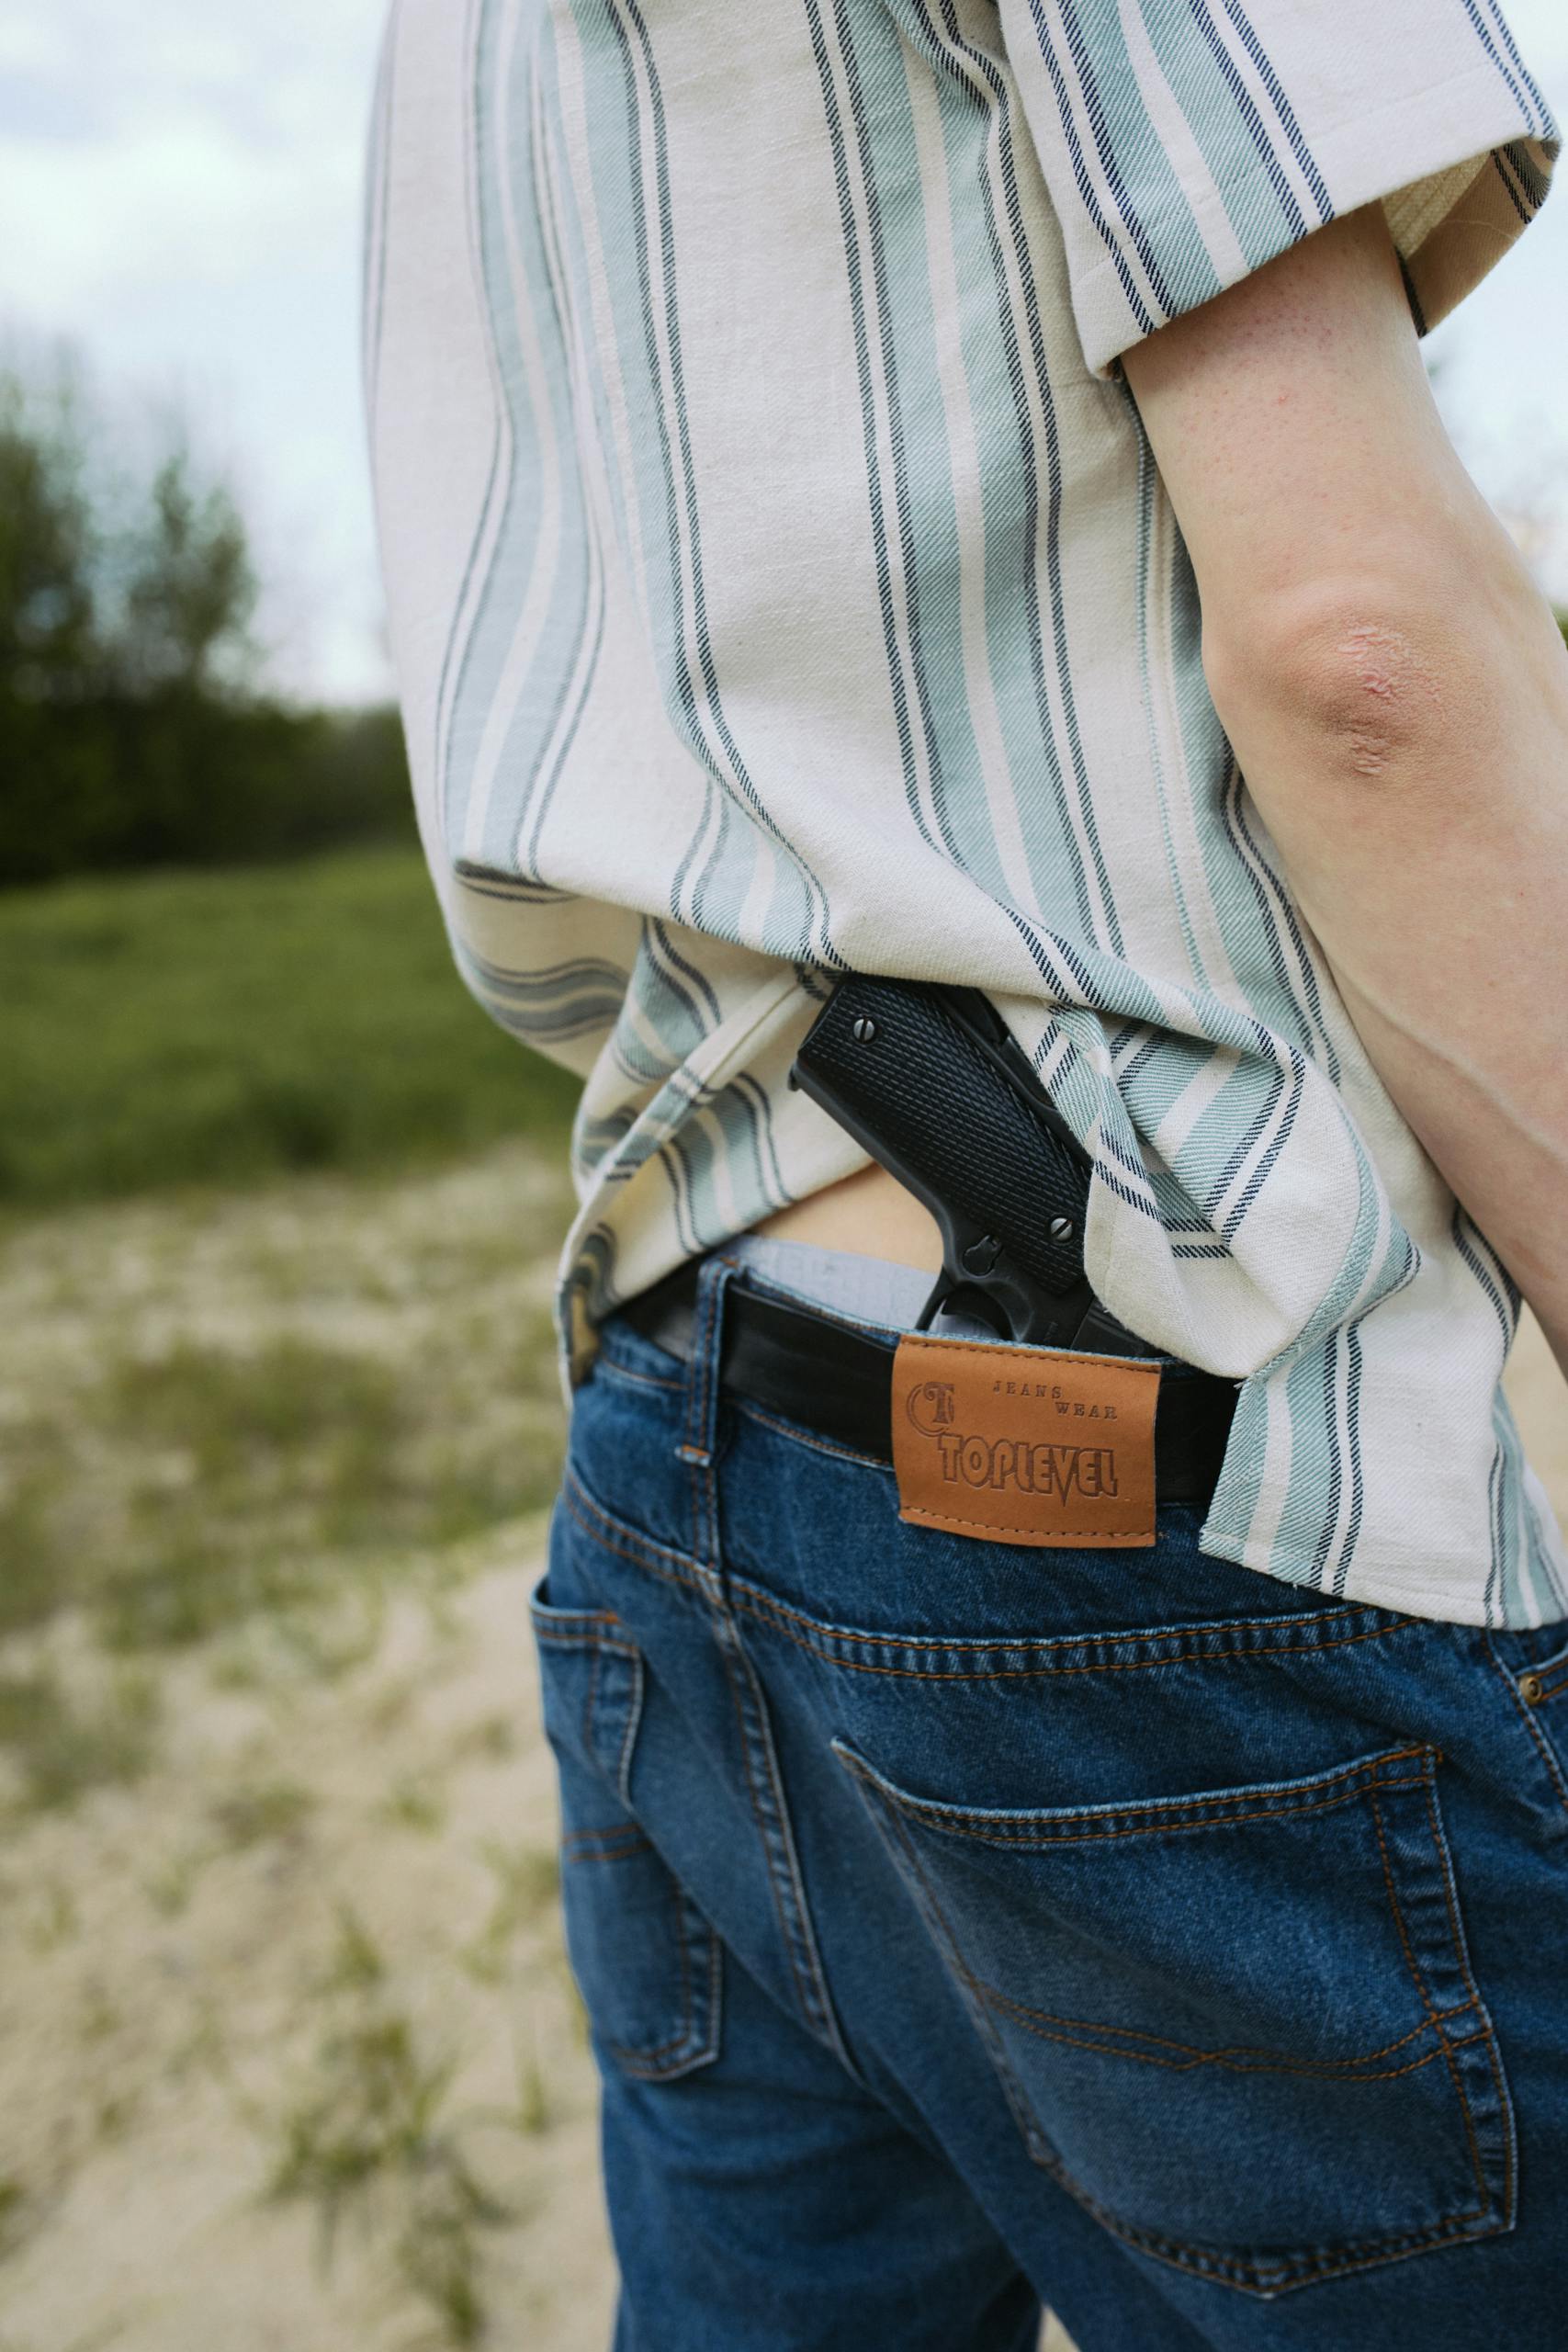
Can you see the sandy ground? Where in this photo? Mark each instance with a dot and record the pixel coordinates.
(328, 1895)
(289, 2054)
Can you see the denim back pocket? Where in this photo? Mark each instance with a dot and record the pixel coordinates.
(646, 1961)
(1240, 2027)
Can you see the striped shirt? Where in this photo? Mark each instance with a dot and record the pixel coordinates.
(781, 585)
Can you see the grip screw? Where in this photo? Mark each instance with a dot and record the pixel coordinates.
(1061, 1228)
(864, 1029)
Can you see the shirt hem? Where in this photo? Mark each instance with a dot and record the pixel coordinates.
(1407, 1589)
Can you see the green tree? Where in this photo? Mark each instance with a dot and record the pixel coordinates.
(132, 729)
(46, 550)
(190, 589)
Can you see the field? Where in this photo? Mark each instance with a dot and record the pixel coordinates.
(229, 1026)
(289, 2054)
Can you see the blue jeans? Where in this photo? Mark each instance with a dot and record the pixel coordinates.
(964, 1925)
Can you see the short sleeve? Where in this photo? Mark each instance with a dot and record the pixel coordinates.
(1185, 142)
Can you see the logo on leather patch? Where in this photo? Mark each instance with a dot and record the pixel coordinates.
(1023, 1445)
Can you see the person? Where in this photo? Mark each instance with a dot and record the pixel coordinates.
(951, 492)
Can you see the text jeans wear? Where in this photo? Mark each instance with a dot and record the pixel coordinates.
(965, 1925)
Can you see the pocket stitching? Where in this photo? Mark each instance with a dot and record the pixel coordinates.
(1526, 1716)
(680, 2050)
(1247, 2276)
(1462, 1953)
(659, 1560)
(1336, 2072)
(604, 1845)
(686, 2050)
(1418, 1980)
(1556, 1661)
(1023, 2011)
(1296, 1796)
(629, 1542)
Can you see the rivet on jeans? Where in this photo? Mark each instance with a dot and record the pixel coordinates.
(1531, 1688)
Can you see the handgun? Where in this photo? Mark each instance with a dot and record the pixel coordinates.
(930, 1082)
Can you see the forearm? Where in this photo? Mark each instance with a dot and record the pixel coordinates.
(1430, 859)
(1396, 694)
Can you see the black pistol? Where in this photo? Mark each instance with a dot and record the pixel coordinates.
(930, 1082)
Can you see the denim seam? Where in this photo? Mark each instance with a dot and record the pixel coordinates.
(1035, 1642)
(659, 1560)
(1226, 2057)
(643, 1552)
(629, 1730)
(611, 1368)
(793, 1917)
(672, 2055)
(590, 1696)
(1543, 1746)
(1025, 1842)
(1494, 2059)
(1246, 2276)
(764, 1783)
(648, 2065)
(1330, 2072)
(1418, 1980)
(702, 1374)
(1070, 1640)
(604, 1845)
(695, 1384)
(802, 1991)
(585, 1626)
(1185, 1812)
(684, 2049)
(1018, 1673)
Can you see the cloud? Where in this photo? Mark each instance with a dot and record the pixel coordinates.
(181, 194)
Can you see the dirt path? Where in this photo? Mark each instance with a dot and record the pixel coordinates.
(309, 1963)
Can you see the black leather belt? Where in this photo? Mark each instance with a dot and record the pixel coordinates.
(836, 1378)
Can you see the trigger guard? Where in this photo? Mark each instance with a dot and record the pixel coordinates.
(967, 1297)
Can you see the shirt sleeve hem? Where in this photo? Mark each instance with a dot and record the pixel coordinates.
(1457, 168)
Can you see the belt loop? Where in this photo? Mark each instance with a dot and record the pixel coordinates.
(700, 1424)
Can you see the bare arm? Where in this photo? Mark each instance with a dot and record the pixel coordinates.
(1396, 692)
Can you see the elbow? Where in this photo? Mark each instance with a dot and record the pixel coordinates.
(1373, 680)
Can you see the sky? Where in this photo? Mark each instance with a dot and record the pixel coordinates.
(180, 194)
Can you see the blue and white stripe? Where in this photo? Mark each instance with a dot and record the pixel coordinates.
(781, 585)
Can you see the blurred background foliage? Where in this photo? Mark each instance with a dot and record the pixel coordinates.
(162, 1020)
(133, 730)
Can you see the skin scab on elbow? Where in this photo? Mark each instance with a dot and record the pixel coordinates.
(1391, 686)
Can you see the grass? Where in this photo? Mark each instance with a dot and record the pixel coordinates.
(255, 1816)
(189, 1037)
(60, 1747)
(259, 1421)
(527, 1882)
(219, 1028)
(369, 2136)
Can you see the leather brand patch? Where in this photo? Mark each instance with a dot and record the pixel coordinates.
(1023, 1445)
